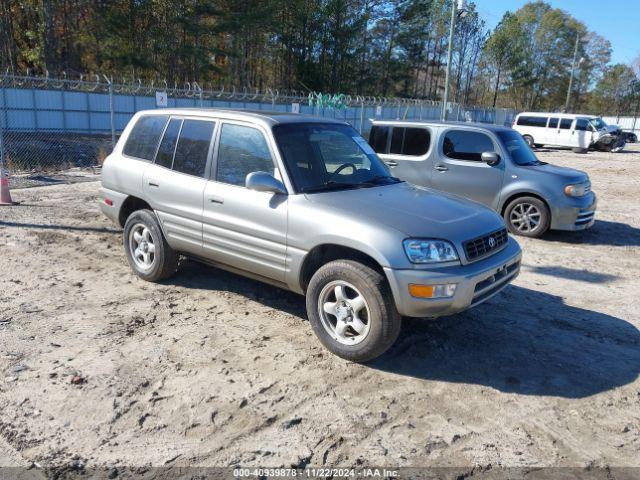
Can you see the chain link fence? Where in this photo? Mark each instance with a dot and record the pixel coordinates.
(55, 124)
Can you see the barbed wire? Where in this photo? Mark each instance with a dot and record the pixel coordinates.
(100, 83)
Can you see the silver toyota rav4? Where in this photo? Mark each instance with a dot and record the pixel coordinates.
(305, 204)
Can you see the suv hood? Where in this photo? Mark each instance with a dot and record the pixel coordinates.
(568, 174)
(415, 211)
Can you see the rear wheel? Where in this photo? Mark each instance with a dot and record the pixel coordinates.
(352, 311)
(148, 253)
(527, 216)
(529, 140)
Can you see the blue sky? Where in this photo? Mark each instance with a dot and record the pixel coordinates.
(616, 20)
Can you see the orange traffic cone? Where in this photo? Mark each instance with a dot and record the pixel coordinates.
(5, 193)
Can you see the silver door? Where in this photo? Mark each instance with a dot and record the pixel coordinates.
(177, 200)
(408, 154)
(243, 228)
(460, 171)
(177, 197)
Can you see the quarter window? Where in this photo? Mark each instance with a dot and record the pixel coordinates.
(242, 150)
(565, 123)
(378, 138)
(144, 137)
(164, 157)
(466, 145)
(193, 147)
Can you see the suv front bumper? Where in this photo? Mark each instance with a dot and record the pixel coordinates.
(476, 282)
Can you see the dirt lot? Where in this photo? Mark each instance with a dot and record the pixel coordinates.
(100, 368)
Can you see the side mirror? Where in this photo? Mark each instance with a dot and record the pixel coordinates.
(490, 158)
(264, 182)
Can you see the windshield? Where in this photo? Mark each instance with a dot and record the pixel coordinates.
(322, 157)
(598, 123)
(517, 147)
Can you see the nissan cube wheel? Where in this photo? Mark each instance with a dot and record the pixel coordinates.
(148, 253)
(352, 311)
(527, 216)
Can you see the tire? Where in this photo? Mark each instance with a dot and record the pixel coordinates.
(521, 209)
(163, 260)
(359, 284)
(580, 150)
(529, 140)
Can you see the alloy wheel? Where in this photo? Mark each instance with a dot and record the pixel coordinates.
(525, 217)
(142, 246)
(344, 312)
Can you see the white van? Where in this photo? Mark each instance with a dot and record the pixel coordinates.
(578, 132)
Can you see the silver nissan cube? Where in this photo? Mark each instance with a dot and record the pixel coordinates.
(305, 204)
(492, 165)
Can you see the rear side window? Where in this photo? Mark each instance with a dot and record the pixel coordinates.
(242, 150)
(466, 145)
(410, 141)
(529, 121)
(396, 140)
(144, 137)
(193, 147)
(582, 124)
(565, 123)
(167, 148)
(416, 142)
(378, 138)
(553, 122)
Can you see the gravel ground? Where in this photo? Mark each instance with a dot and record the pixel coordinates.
(99, 368)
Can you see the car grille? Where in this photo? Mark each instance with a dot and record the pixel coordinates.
(584, 217)
(496, 282)
(486, 245)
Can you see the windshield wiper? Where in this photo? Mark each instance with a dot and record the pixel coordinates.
(378, 180)
(330, 185)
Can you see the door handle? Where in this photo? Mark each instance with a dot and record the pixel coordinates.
(441, 168)
(218, 200)
(153, 184)
(391, 163)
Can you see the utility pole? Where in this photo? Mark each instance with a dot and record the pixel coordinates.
(573, 66)
(454, 8)
(458, 7)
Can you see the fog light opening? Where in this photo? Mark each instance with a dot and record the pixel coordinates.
(446, 290)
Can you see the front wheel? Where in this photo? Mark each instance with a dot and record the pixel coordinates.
(148, 253)
(352, 311)
(527, 216)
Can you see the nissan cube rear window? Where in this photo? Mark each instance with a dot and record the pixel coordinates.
(144, 137)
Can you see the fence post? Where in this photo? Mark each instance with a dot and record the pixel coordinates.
(361, 115)
(3, 125)
(2, 164)
(111, 113)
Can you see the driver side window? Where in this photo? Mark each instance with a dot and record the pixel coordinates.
(242, 150)
(466, 145)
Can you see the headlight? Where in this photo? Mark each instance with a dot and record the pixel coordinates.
(578, 190)
(427, 250)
